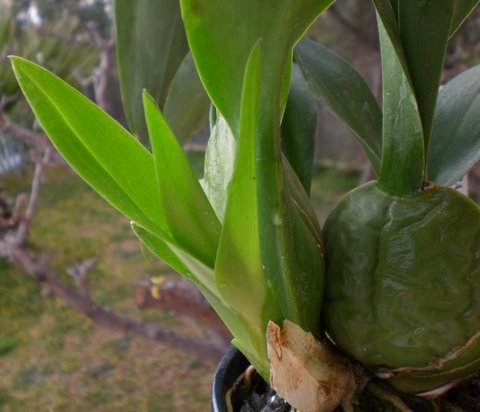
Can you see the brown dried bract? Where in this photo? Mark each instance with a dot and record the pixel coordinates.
(311, 375)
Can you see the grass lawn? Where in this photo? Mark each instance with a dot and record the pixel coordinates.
(55, 359)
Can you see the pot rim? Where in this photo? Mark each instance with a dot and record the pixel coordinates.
(231, 366)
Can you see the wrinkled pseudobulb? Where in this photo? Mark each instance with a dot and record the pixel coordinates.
(403, 284)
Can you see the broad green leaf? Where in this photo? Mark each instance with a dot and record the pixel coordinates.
(388, 12)
(95, 145)
(302, 202)
(455, 147)
(419, 34)
(303, 252)
(402, 171)
(301, 257)
(338, 86)
(221, 34)
(298, 128)
(219, 162)
(395, 7)
(187, 104)
(424, 30)
(461, 10)
(187, 211)
(151, 44)
(238, 268)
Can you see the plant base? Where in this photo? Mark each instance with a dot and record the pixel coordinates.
(257, 396)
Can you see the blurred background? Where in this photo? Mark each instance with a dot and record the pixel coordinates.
(89, 319)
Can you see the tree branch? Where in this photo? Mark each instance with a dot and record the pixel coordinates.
(35, 266)
(79, 273)
(38, 140)
(12, 246)
(24, 226)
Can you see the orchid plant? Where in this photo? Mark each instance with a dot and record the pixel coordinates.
(393, 279)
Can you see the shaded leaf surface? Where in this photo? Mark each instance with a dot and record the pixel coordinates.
(298, 128)
(455, 147)
(338, 86)
(424, 31)
(187, 104)
(402, 171)
(151, 45)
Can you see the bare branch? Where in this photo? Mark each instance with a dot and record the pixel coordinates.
(34, 265)
(79, 272)
(38, 140)
(24, 226)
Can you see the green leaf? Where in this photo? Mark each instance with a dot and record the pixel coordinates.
(424, 30)
(419, 35)
(338, 85)
(151, 44)
(402, 171)
(221, 53)
(238, 268)
(461, 10)
(187, 105)
(222, 33)
(298, 128)
(219, 162)
(188, 213)
(455, 147)
(95, 145)
(300, 284)
(388, 12)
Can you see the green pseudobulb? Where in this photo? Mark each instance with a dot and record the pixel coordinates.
(403, 283)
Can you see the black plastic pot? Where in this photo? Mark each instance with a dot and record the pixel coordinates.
(232, 365)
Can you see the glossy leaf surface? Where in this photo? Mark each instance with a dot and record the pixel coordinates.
(222, 32)
(419, 31)
(151, 45)
(298, 128)
(402, 171)
(187, 105)
(343, 91)
(221, 54)
(187, 211)
(424, 31)
(238, 269)
(455, 147)
(96, 146)
(221, 35)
